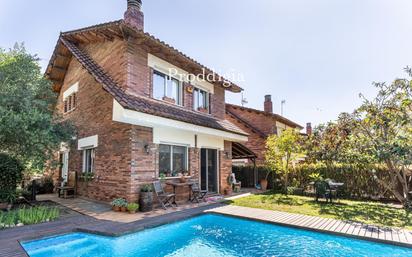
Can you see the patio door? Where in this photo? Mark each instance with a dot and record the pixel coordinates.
(208, 170)
(64, 162)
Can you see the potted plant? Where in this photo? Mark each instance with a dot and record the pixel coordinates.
(118, 203)
(146, 198)
(132, 208)
(87, 176)
(123, 206)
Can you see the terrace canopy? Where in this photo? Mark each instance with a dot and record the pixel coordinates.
(240, 151)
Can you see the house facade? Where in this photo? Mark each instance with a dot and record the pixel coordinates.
(259, 125)
(140, 113)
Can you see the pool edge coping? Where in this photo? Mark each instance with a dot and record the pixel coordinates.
(364, 238)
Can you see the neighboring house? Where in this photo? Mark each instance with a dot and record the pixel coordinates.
(259, 125)
(135, 123)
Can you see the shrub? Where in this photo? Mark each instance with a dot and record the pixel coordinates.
(132, 206)
(146, 188)
(47, 184)
(8, 196)
(29, 216)
(10, 175)
(119, 202)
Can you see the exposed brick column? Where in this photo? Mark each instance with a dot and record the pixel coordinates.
(225, 161)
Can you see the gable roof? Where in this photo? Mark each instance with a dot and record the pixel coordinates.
(145, 104)
(120, 30)
(277, 117)
(246, 123)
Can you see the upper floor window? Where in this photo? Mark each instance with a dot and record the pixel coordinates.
(201, 100)
(70, 103)
(167, 88)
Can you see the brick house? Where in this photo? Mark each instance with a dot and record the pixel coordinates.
(136, 121)
(259, 125)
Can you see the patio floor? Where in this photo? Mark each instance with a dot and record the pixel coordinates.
(103, 210)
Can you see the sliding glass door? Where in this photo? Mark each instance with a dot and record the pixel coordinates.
(208, 170)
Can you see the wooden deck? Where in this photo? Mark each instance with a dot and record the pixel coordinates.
(394, 236)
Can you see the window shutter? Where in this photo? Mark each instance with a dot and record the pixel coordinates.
(210, 103)
(74, 100)
(65, 106)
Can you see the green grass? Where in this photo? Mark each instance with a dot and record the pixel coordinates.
(359, 211)
(28, 216)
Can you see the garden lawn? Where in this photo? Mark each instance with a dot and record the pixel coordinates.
(359, 211)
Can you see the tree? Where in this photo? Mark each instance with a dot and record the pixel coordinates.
(329, 141)
(28, 129)
(383, 132)
(283, 151)
(10, 174)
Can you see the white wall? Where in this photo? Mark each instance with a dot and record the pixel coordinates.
(177, 132)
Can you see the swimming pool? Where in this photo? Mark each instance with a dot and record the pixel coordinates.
(212, 236)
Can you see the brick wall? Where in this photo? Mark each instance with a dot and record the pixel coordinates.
(225, 162)
(255, 142)
(139, 79)
(218, 103)
(122, 163)
(263, 122)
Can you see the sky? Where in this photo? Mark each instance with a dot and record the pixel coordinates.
(318, 55)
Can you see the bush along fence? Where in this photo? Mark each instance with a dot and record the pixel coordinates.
(359, 181)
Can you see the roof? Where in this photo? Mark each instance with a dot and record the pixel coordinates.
(240, 151)
(273, 115)
(119, 29)
(246, 123)
(145, 104)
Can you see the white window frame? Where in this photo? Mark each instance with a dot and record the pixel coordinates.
(178, 101)
(93, 155)
(171, 156)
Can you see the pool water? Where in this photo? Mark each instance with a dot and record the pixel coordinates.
(212, 236)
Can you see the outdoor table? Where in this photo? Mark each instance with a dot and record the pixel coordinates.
(180, 184)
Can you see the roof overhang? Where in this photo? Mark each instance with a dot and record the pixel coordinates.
(123, 115)
(239, 151)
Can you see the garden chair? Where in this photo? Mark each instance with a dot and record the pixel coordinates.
(164, 198)
(197, 192)
(69, 190)
(322, 189)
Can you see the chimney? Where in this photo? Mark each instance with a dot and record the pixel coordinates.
(308, 128)
(268, 105)
(134, 16)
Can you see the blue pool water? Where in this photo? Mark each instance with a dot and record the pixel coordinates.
(212, 236)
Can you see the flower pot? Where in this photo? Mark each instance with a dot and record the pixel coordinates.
(132, 212)
(146, 201)
(116, 208)
(123, 209)
(4, 206)
(264, 184)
